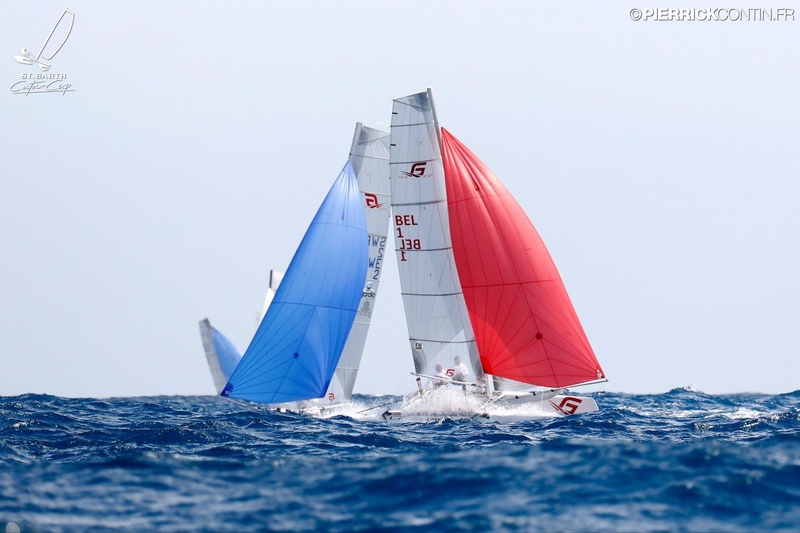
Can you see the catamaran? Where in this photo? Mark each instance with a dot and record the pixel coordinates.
(306, 352)
(489, 320)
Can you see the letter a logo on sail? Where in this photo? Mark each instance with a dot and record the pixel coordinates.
(417, 170)
(372, 200)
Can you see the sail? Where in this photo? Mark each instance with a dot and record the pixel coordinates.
(295, 350)
(275, 278)
(525, 325)
(221, 354)
(438, 324)
(369, 156)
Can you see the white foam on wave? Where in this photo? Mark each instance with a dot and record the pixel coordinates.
(355, 409)
(510, 413)
(444, 402)
(439, 404)
(744, 412)
(452, 402)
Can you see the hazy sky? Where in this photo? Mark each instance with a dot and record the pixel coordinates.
(658, 159)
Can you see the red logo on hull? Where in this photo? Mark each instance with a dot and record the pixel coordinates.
(568, 405)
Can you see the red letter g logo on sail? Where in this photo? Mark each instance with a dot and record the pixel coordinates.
(417, 170)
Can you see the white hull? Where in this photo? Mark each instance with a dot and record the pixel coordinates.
(316, 408)
(452, 402)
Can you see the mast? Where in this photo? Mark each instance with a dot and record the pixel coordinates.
(435, 119)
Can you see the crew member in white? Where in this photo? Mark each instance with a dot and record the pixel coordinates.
(461, 370)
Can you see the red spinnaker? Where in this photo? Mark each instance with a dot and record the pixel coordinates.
(525, 326)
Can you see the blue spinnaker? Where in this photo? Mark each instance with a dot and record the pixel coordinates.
(227, 354)
(294, 353)
(221, 354)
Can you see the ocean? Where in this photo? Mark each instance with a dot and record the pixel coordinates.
(678, 461)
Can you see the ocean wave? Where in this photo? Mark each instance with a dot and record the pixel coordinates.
(682, 460)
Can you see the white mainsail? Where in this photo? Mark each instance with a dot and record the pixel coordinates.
(439, 329)
(369, 156)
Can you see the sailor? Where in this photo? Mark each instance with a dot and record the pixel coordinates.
(461, 370)
(440, 378)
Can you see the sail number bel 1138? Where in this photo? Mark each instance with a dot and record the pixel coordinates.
(405, 243)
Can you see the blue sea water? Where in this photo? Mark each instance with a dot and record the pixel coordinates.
(679, 461)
